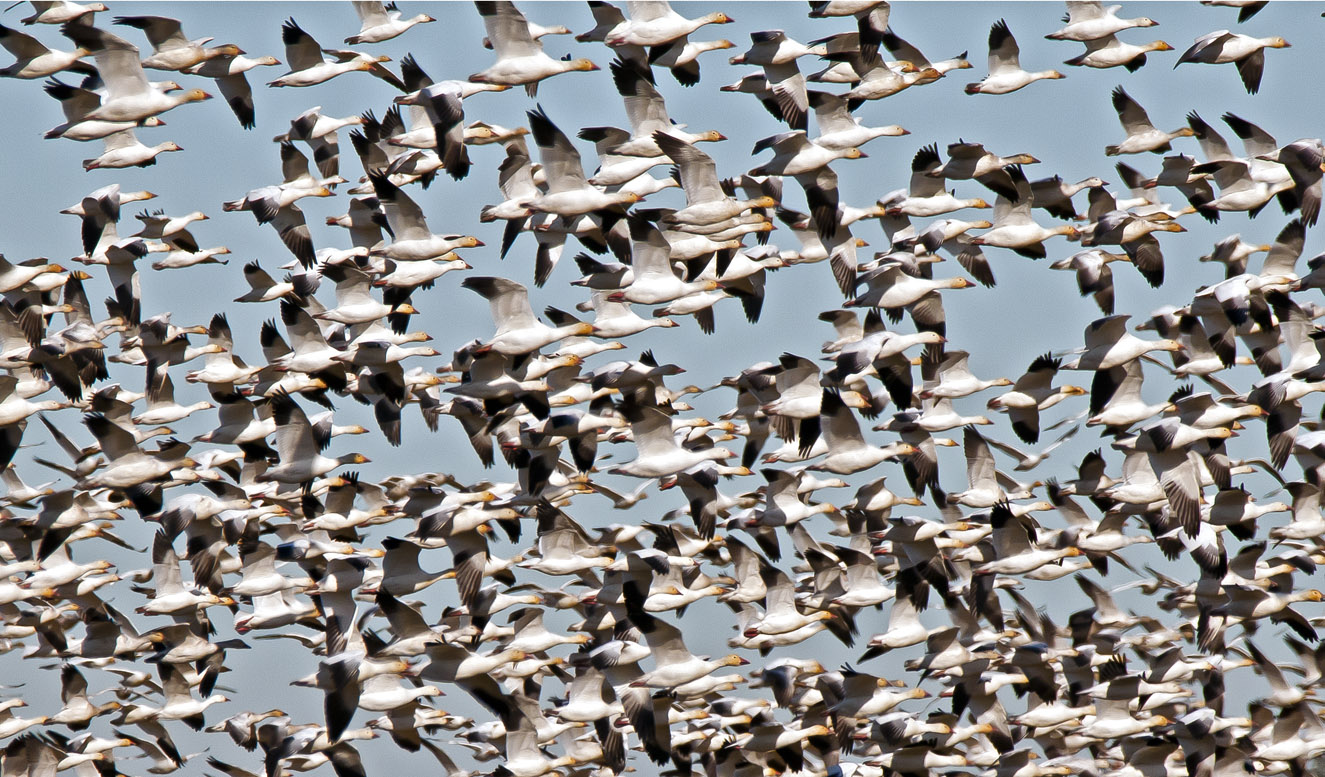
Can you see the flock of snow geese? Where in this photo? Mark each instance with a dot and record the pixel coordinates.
(391, 593)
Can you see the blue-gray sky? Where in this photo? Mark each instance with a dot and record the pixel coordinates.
(1065, 124)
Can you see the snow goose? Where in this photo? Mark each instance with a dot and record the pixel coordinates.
(706, 200)
(171, 229)
(875, 497)
(14, 409)
(515, 179)
(606, 17)
(927, 195)
(319, 132)
(1131, 229)
(1166, 442)
(655, 280)
(15, 276)
(1109, 344)
(259, 576)
(615, 169)
(61, 11)
(310, 354)
(127, 464)
(781, 90)
(18, 493)
(221, 364)
(647, 112)
(983, 489)
(170, 596)
(1087, 20)
(76, 103)
(376, 153)
(1015, 549)
(1303, 161)
(843, 51)
(798, 400)
(441, 125)
(409, 276)
(523, 757)
(299, 445)
(297, 182)
(379, 22)
(272, 611)
(78, 710)
(355, 303)
(563, 548)
(1108, 51)
(890, 286)
(1014, 228)
(490, 376)
(1307, 520)
(659, 455)
(1141, 134)
(681, 56)
(309, 67)
(228, 72)
(846, 447)
(129, 95)
(880, 353)
(589, 698)
(700, 305)
(520, 59)
(170, 49)
(616, 319)
(569, 193)
(1296, 735)
(1093, 274)
(903, 51)
(34, 60)
(953, 377)
(161, 405)
(861, 584)
(839, 129)
(783, 508)
(262, 287)
(1124, 405)
(411, 241)
(794, 154)
(877, 79)
(904, 626)
(518, 332)
(1114, 720)
(1029, 461)
(971, 160)
(656, 24)
(179, 703)
(123, 149)
(383, 693)
(1005, 73)
(785, 742)
(773, 47)
(673, 664)
(1222, 47)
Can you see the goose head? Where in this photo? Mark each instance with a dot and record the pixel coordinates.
(582, 65)
(193, 96)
